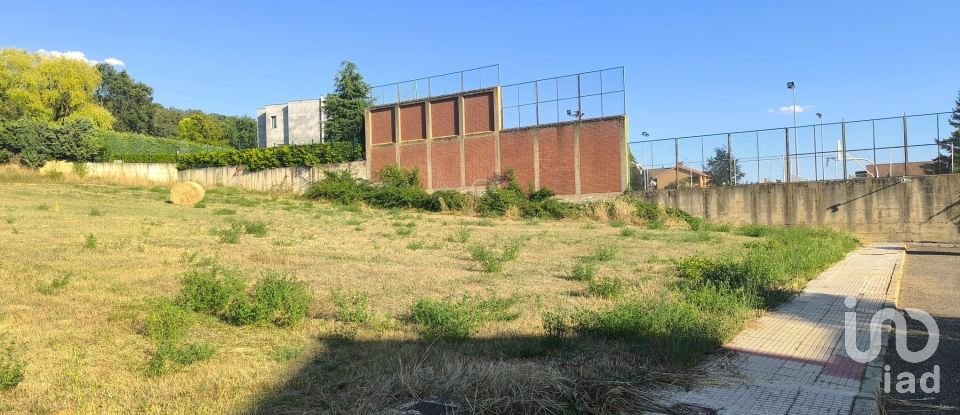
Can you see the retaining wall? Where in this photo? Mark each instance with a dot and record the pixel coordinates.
(917, 209)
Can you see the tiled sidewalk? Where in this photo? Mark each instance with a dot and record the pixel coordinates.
(793, 360)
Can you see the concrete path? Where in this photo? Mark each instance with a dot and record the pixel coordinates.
(793, 360)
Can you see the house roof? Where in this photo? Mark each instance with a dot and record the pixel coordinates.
(913, 168)
(689, 170)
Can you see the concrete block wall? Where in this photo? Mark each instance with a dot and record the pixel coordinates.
(918, 209)
(457, 142)
(297, 122)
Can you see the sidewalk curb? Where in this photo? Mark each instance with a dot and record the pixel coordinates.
(870, 399)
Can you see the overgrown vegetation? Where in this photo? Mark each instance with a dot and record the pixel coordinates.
(460, 318)
(11, 364)
(210, 289)
(492, 259)
(712, 298)
(167, 325)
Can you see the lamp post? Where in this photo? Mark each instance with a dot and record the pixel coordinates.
(823, 167)
(796, 162)
(643, 172)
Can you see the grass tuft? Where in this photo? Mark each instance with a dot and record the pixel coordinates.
(11, 365)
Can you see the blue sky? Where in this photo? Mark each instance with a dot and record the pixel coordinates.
(691, 67)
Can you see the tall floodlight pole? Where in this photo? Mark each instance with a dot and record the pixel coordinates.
(822, 148)
(796, 158)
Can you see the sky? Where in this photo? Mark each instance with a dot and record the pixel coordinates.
(690, 67)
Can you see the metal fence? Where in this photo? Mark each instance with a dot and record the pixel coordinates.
(584, 95)
(881, 147)
(437, 85)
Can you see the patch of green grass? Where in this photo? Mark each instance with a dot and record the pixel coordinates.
(230, 235)
(200, 205)
(404, 231)
(97, 212)
(90, 242)
(54, 286)
(416, 245)
(459, 319)
(656, 224)
(461, 235)
(256, 228)
(699, 236)
(353, 307)
(354, 222)
(11, 365)
(10, 220)
(609, 287)
(616, 223)
(629, 232)
(491, 260)
(583, 271)
(224, 212)
(487, 222)
(285, 353)
(603, 253)
(755, 231)
(43, 207)
(169, 357)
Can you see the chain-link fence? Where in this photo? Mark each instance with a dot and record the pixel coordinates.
(437, 85)
(906, 145)
(579, 96)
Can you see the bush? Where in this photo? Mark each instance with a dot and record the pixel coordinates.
(352, 307)
(583, 271)
(257, 159)
(280, 300)
(340, 187)
(605, 287)
(603, 253)
(166, 321)
(5, 156)
(11, 365)
(90, 242)
(460, 319)
(492, 261)
(171, 356)
(649, 211)
(38, 141)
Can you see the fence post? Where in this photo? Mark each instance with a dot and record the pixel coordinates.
(730, 161)
(906, 158)
(786, 172)
(843, 146)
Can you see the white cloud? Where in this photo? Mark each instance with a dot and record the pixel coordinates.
(78, 56)
(790, 108)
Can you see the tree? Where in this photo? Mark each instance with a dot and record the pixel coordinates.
(201, 128)
(944, 163)
(245, 132)
(718, 167)
(49, 88)
(345, 107)
(130, 102)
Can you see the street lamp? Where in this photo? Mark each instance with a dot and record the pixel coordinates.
(796, 150)
(643, 171)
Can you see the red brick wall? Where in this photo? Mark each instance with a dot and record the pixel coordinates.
(380, 157)
(556, 159)
(480, 159)
(412, 123)
(414, 156)
(478, 112)
(381, 126)
(600, 156)
(443, 117)
(445, 159)
(516, 153)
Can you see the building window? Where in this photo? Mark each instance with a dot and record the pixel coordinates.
(273, 121)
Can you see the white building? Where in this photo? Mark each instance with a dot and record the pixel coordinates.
(291, 123)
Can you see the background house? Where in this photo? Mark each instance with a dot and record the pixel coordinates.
(669, 178)
(294, 122)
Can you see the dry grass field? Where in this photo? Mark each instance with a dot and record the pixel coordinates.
(80, 264)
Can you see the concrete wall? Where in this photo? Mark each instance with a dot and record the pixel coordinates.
(288, 179)
(291, 179)
(457, 142)
(921, 209)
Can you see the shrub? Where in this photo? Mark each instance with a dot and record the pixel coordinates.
(460, 319)
(11, 365)
(5, 156)
(285, 300)
(583, 271)
(649, 211)
(139, 148)
(628, 232)
(492, 261)
(340, 187)
(442, 200)
(170, 356)
(605, 287)
(755, 231)
(461, 235)
(352, 307)
(603, 253)
(90, 242)
(55, 285)
(38, 141)
(257, 159)
(209, 289)
(166, 321)
(230, 235)
(251, 227)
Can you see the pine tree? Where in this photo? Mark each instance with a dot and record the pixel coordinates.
(345, 107)
(944, 162)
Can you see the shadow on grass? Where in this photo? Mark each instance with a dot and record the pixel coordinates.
(513, 374)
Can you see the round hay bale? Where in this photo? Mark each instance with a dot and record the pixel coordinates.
(186, 193)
